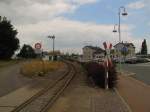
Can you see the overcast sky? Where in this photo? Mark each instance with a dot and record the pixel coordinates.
(77, 23)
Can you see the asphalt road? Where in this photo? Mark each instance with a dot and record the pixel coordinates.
(142, 71)
(11, 79)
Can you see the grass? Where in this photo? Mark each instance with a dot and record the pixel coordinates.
(39, 67)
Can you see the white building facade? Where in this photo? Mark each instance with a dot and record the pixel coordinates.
(124, 49)
(91, 53)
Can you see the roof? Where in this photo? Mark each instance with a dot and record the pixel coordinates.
(99, 52)
(97, 49)
(126, 44)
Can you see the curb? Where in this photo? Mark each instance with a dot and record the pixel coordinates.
(132, 74)
(122, 99)
(140, 82)
(127, 73)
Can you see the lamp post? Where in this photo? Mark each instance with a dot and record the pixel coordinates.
(53, 38)
(124, 13)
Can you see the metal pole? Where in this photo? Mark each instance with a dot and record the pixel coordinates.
(119, 31)
(53, 44)
(107, 73)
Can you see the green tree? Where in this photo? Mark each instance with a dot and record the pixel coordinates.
(144, 48)
(27, 52)
(9, 43)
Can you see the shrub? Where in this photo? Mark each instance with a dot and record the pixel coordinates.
(98, 73)
(112, 77)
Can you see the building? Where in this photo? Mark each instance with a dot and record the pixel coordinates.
(124, 49)
(52, 55)
(91, 53)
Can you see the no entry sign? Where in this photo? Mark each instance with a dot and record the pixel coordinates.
(38, 46)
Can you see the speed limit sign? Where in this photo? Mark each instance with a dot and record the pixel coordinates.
(38, 46)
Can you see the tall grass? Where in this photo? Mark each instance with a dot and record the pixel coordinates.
(39, 67)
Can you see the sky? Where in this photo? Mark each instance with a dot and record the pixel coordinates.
(76, 23)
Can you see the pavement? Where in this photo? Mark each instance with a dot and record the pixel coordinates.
(82, 96)
(135, 93)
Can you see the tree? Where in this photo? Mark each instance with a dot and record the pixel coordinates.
(27, 52)
(144, 48)
(9, 43)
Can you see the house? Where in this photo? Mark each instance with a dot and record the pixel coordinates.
(124, 49)
(91, 53)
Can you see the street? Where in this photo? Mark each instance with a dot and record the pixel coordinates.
(142, 71)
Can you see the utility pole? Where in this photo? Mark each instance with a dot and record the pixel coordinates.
(53, 38)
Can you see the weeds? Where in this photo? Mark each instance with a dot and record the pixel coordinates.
(39, 68)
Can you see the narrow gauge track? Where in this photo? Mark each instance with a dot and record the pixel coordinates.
(42, 101)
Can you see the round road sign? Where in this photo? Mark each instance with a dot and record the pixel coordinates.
(38, 46)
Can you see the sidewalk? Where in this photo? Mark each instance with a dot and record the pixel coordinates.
(135, 93)
(81, 96)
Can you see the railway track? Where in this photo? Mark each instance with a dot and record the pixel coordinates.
(44, 99)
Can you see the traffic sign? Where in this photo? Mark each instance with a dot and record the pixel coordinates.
(124, 49)
(110, 46)
(38, 46)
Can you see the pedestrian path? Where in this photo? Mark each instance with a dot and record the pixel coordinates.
(135, 93)
(81, 96)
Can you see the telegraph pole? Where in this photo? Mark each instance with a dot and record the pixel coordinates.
(53, 38)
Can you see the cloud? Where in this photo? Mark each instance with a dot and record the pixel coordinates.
(137, 5)
(36, 19)
(71, 35)
(32, 11)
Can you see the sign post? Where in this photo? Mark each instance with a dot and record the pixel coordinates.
(38, 47)
(107, 57)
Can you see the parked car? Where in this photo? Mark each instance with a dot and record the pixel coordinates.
(118, 60)
(131, 60)
(135, 60)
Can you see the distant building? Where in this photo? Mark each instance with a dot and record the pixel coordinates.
(127, 48)
(52, 55)
(91, 53)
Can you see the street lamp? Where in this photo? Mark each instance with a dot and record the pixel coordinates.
(124, 13)
(115, 28)
(53, 38)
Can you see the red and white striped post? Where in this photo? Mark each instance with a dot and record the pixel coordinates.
(107, 61)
